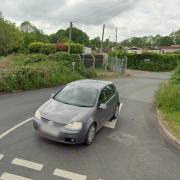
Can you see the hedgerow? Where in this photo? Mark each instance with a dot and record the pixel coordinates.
(150, 61)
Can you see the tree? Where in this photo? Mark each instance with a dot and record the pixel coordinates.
(78, 36)
(57, 37)
(95, 43)
(31, 33)
(10, 37)
(165, 41)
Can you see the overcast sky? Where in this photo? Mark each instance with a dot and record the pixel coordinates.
(131, 17)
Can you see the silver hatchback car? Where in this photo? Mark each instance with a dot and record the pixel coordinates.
(77, 111)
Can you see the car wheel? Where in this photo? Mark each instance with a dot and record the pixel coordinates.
(116, 113)
(91, 134)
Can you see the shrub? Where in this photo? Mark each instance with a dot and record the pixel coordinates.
(88, 73)
(61, 47)
(76, 48)
(40, 47)
(23, 78)
(26, 78)
(33, 58)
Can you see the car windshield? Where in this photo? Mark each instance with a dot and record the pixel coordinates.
(77, 96)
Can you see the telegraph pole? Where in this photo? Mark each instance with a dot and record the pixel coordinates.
(70, 34)
(116, 37)
(102, 38)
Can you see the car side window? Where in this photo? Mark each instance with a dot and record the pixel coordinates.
(109, 92)
(102, 97)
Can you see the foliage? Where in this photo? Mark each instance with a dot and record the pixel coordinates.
(78, 36)
(150, 61)
(39, 47)
(175, 79)
(149, 41)
(88, 73)
(33, 58)
(26, 78)
(9, 37)
(76, 48)
(30, 34)
(168, 101)
(61, 47)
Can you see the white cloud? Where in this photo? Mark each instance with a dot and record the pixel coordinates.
(132, 17)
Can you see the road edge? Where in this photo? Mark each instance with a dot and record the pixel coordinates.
(168, 134)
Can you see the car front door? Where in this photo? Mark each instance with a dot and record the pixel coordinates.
(101, 114)
(111, 101)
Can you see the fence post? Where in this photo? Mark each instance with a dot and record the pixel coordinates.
(93, 61)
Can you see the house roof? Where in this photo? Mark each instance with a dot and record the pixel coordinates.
(171, 47)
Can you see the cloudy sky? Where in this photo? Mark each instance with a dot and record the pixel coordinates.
(131, 17)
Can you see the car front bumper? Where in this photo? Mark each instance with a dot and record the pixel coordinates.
(58, 133)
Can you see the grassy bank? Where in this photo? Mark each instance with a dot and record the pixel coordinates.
(24, 72)
(168, 102)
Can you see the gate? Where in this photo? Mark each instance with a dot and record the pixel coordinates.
(118, 65)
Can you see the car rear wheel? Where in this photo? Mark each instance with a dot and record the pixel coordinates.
(91, 134)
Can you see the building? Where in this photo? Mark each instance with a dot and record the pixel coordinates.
(170, 49)
(135, 50)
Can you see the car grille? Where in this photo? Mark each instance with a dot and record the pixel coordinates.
(48, 121)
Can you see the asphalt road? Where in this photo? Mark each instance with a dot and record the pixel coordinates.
(134, 150)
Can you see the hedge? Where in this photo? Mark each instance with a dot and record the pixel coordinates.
(150, 61)
(40, 47)
(76, 48)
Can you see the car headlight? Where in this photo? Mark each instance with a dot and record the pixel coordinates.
(38, 115)
(74, 126)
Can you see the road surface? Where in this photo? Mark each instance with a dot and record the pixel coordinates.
(134, 150)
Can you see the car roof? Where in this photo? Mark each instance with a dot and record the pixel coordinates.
(91, 83)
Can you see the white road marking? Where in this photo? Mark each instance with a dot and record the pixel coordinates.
(8, 176)
(68, 175)
(112, 124)
(27, 164)
(15, 127)
(1, 156)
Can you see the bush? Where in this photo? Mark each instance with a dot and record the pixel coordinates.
(40, 47)
(33, 58)
(23, 78)
(76, 48)
(150, 61)
(88, 73)
(61, 47)
(26, 78)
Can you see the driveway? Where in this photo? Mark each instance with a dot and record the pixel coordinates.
(134, 150)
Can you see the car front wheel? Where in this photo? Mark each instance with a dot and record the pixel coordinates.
(116, 113)
(91, 134)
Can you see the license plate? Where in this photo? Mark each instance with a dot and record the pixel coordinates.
(50, 131)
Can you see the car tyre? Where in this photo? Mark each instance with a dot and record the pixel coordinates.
(116, 113)
(91, 134)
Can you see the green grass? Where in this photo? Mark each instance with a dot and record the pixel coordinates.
(168, 102)
(172, 121)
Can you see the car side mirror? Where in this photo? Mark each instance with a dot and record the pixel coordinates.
(52, 95)
(102, 106)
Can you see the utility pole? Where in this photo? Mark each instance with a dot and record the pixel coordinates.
(102, 38)
(108, 43)
(70, 34)
(116, 37)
